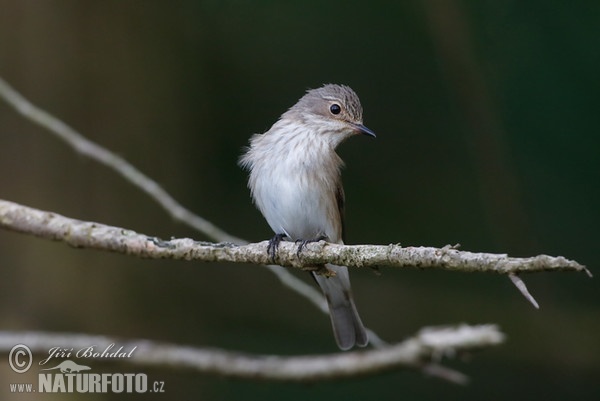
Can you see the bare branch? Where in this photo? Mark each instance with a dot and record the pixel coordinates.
(83, 234)
(416, 352)
(102, 155)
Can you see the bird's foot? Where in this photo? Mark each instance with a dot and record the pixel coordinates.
(274, 245)
(302, 243)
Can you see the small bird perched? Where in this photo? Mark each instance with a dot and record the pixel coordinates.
(295, 181)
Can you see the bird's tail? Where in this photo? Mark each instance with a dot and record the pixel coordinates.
(347, 326)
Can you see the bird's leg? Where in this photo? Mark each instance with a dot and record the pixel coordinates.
(274, 245)
(302, 243)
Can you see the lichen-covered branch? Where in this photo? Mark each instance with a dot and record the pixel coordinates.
(422, 351)
(83, 234)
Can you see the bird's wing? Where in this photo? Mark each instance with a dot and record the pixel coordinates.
(340, 199)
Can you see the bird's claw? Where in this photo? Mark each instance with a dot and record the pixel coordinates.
(303, 242)
(274, 245)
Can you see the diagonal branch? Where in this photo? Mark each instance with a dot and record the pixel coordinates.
(90, 149)
(421, 351)
(83, 234)
(122, 167)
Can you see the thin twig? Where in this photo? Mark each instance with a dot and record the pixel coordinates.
(415, 352)
(520, 284)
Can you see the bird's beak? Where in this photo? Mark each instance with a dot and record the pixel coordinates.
(364, 130)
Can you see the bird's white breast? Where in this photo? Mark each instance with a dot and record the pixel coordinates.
(294, 178)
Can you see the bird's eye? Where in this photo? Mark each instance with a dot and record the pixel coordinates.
(335, 108)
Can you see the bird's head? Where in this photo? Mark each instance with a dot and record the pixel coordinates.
(332, 110)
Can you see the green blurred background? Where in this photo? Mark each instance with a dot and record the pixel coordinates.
(488, 135)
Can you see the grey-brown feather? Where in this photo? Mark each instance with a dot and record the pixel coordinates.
(295, 181)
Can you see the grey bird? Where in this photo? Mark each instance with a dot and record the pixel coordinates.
(295, 181)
